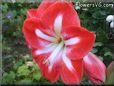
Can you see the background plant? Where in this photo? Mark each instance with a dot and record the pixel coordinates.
(18, 65)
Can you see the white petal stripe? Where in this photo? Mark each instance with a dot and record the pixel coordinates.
(54, 55)
(67, 61)
(58, 24)
(72, 41)
(44, 36)
(46, 50)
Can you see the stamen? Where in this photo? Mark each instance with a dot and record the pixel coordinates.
(44, 36)
(46, 61)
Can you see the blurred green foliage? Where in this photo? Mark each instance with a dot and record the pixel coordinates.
(16, 54)
(94, 19)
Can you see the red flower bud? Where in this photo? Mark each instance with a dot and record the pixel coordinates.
(94, 69)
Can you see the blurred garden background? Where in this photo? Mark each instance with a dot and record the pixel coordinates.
(18, 66)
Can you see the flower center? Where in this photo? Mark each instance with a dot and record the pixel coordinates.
(59, 40)
(57, 45)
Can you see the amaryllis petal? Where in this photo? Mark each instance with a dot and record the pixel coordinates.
(49, 75)
(36, 34)
(52, 74)
(32, 13)
(64, 10)
(94, 69)
(78, 41)
(47, 3)
(74, 75)
(42, 7)
(40, 10)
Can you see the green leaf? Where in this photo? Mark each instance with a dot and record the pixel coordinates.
(8, 77)
(5, 8)
(23, 11)
(108, 54)
(110, 74)
(12, 74)
(37, 75)
(98, 44)
(21, 1)
(35, 67)
(94, 50)
(23, 70)
(99, 14)
(36, 72)
(18, 63)
(25, 81)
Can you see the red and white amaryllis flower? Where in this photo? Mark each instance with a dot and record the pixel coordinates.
(59, 43)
